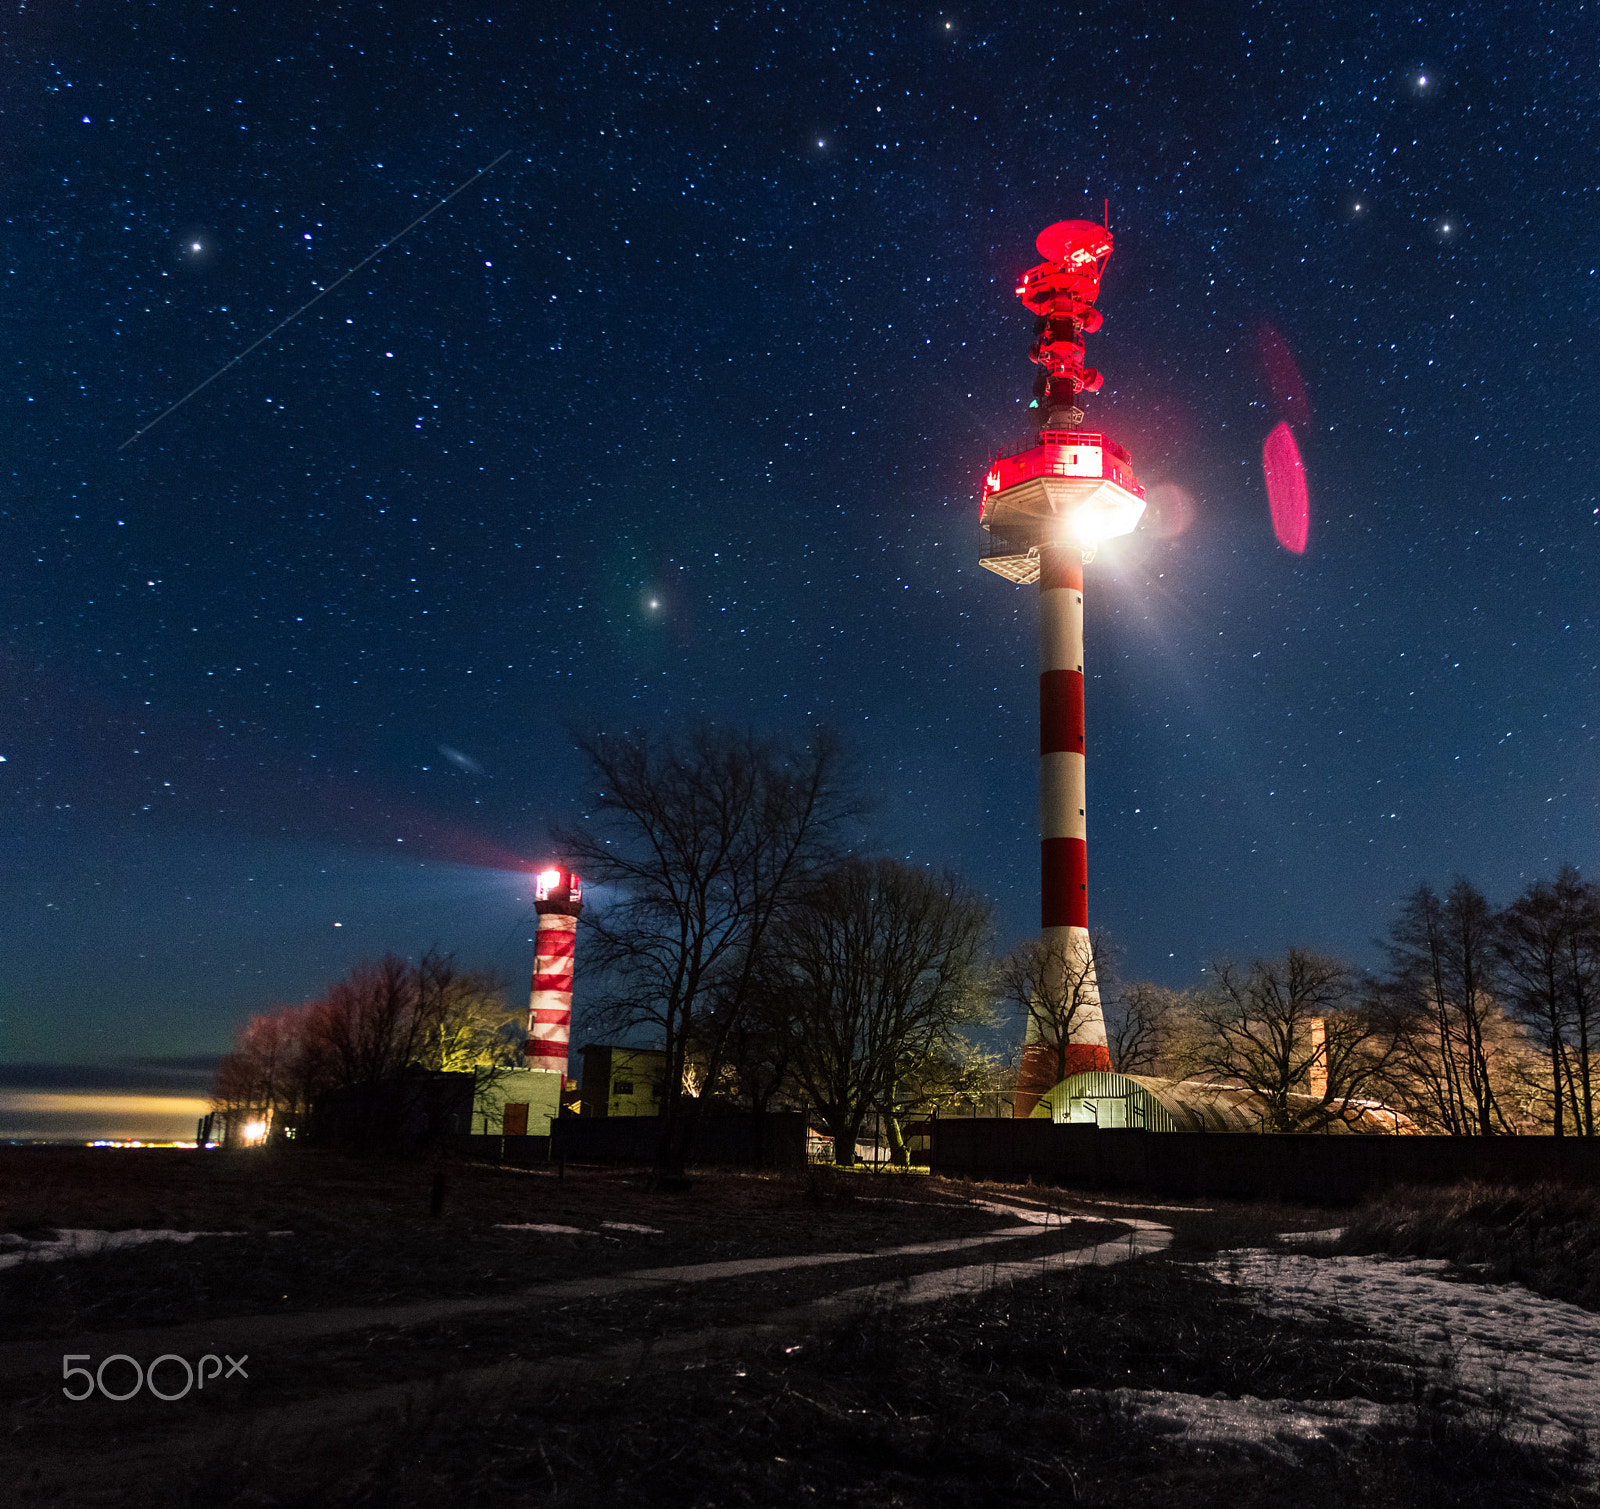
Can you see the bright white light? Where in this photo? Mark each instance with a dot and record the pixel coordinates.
(1422, 79)
(544, 883)
(1089, 526)
(253, 1132)
(194, 246)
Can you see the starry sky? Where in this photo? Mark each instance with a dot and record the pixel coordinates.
(680, 413)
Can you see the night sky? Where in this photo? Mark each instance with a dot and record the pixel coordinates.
(680, 413)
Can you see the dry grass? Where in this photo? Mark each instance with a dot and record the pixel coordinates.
(363, 1232)
(1546, 1237)
(971, 1405)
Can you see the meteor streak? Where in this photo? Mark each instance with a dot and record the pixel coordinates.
(290, 319)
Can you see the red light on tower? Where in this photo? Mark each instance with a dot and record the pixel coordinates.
(558, 899)
(1047, 508)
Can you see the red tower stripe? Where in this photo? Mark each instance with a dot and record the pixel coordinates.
(539, 1049)
(1061, 712)
(1063, 882)
(561, 983)
(1061, 567)
(556, 943)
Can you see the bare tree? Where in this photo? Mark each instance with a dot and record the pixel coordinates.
(1139, 1024)
(704, 841)
(1054, 985)
(1257, 1033)
(1545, 941)
(1442, 966)
(957, 1074)
(757, 1052)
(1583, 979)
(385, 1017)
(268, 1077)
(879, 972)
(366, 1028)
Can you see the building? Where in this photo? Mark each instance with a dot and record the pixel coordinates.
(1172, 1105)
(519, 1102)
(622, 1081)
(416, 1108)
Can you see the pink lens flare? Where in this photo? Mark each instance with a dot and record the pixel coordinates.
(1286, 489)
(1283, 375)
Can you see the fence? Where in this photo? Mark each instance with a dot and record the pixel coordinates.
(520, 1152)
(774, 1140)
(1247, 1165)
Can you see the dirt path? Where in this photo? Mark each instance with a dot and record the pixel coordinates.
(242, 1333)
(150, 1444)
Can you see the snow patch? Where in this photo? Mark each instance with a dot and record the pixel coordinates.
(1491, 1340)
(1275, 1428)
(72, 1242)
(544, 1226)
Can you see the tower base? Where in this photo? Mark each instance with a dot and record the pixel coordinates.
(1044, 1066)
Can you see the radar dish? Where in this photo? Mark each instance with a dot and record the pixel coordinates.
(1074, 242)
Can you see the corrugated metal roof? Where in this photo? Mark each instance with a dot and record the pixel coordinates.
(1174, 1105)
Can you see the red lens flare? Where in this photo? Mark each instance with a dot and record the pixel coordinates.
(1286, 489)
(1283, 376)
(1169, 510)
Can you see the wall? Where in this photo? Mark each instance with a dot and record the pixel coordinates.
(538, 1089)
(636, 1072)
(775, 1140)
(519, 1152)
(1246, 1165)
(415, 1109)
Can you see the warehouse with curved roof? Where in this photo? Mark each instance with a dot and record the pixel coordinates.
(1184, 1105)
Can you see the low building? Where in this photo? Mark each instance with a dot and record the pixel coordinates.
(1173, 1105)
(519, 1102)
(417, 1108)
(622, 1081)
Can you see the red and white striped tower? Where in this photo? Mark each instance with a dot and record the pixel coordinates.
(1046, 509)
(558, 900)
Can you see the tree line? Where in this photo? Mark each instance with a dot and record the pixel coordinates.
(386, 1017)
(739, 924)
(750, 937)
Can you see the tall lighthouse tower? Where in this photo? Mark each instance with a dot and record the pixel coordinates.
(558, 899)
(1047, 508)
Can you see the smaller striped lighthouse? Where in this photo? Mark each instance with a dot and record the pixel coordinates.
(557, 900)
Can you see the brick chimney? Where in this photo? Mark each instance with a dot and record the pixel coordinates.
(1318, 1073)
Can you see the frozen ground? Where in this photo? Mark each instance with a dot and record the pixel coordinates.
(1496, 1342)
(79, 1243)
(1264, 1428)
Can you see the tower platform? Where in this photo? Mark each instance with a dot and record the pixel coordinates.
(1073, 485)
